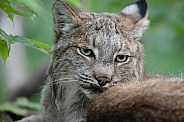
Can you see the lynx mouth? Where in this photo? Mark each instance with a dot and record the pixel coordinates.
(93, 88)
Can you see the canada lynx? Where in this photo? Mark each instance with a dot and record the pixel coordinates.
(92, 53)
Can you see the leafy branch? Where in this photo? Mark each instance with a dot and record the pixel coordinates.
(22, 8)
(6, 41)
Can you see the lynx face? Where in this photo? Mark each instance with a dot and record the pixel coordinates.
(102, 49)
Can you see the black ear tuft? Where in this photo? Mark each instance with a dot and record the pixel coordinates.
(136, 11)
(142, 5)
(135, 18)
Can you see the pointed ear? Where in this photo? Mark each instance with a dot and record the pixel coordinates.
(65, 19)
(135, 17)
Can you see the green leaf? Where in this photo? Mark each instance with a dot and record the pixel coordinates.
(31, 5)
(41, 46)
(23, 41)
(1, 120)
(33, 44)
(4, 51)
(6, 37)
(5, 45)
(20, 7)
(11, 107)
(6, 41)
(24, 102)
(6, 6)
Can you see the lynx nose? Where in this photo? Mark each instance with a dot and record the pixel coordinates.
(102, 81)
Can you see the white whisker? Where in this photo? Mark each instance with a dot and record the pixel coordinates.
(63, 80)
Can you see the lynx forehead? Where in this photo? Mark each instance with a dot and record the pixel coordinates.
(106, 34)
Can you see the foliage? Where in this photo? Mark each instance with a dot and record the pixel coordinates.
(6, 41)
(20, 7)
(23, 8)
(19, 107)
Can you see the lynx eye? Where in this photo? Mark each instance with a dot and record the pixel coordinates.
(121, 58)
(86, 52)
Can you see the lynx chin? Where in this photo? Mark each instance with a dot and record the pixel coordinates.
(92, 53)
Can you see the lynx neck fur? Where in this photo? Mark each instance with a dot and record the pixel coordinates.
(92, 53)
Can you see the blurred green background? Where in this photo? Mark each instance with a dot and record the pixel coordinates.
(163, 41)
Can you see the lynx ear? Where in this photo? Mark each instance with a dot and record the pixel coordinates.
(135, 18)
(65, 19)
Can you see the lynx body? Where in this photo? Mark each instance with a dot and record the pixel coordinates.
(92, 53)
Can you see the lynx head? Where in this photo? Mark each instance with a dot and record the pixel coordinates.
(103, 49)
